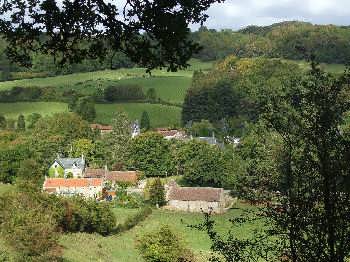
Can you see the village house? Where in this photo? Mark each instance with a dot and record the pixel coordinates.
(196, 199)
(86, 187)
(124, 177)
(95, 172)
(171, 134)
(104, 129)
(67, 167)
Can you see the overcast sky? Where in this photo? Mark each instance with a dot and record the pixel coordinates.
(236, 14)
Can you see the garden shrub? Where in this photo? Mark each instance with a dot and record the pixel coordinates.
(132, 221)
(155, 192)
(163, 245)
(124, 93)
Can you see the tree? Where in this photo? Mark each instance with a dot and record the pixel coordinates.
(145, 123)
(21, 124)
(151, 94)
(29, 228)
(33, 119)
(152, 33)
(3, 123)
(81, 147)
(314, 166)
(86, 109)
(163, 245)
(156, 192)
(150, 153)
(201, 164)
(30, 176)
(311, 220)
(11, 124)
(202, 128)
(117, 142)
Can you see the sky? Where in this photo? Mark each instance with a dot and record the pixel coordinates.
(235, 14)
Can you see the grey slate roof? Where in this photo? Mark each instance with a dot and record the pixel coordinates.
(67, 163)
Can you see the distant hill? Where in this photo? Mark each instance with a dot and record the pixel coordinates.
(330, 43)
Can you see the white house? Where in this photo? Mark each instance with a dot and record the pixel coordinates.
(68, 167)
(86, 187)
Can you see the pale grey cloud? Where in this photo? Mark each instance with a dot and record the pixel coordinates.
(237, 14)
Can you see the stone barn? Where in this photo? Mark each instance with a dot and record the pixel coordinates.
(195, 199)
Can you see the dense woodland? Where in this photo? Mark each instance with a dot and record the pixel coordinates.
(290, 40)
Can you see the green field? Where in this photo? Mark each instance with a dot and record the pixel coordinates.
(169, 86)
(83, 247)
(5, 188)
(160, 115)
(121, 248)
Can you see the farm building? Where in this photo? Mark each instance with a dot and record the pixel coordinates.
(95, 172)
(87, 187)
(102, 128)
(195, 199)
(68, 167)
(171, 134)
(127, 177)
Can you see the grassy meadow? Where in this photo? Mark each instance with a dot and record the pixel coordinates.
(160, 115)
(121, 247)
(83, 247)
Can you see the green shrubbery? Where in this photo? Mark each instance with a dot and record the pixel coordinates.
(164, 245)
(134, 220)
(124, 93)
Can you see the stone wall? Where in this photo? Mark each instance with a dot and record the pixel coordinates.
(195, 206)
(88, 192)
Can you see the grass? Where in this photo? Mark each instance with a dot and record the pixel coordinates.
(122, 247)
(160, 115)
(330, 68)
(5, 188)
(170, 86)
(12, 110)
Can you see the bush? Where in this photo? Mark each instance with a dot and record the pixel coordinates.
(156, 192)
(85, 215)
(124, 93)
(134, 220)
(29, 228)
(163, 245)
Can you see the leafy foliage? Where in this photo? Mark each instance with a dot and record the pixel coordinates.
(163, 43)
(163, 245)
(150, 152)
(284, 40)
(156, 192)
(145, 122)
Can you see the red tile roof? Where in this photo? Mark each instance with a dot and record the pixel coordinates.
(122, 176)
(72, 182)
(207, 194)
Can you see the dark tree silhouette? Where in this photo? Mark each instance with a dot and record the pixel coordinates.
(153, 33)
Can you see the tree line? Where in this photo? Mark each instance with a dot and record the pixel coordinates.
(329, 43)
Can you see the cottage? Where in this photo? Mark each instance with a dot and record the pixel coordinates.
(95, 172)
(171, 134)
(67, 167)
(195, 199)
(87, 187)
(127, 177)
(104, 129)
